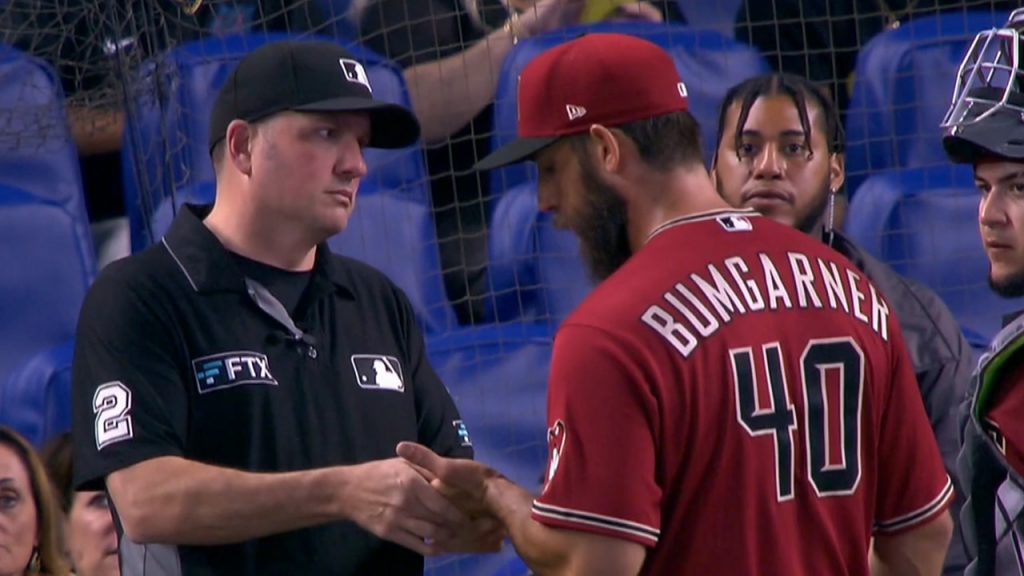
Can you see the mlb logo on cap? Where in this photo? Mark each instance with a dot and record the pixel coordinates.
(355, 72)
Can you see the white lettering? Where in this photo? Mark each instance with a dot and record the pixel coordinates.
(721, 295)
(804, 278)
(772, 281)
(747, 287)
(833, 284)
(857, 296)
(234, 366)
(710, 324)
(663, 323)
(879, 314)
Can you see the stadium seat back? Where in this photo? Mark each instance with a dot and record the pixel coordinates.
(924, 223)
(902, 86)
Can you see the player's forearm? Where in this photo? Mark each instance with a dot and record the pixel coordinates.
(176, 501)
(920, 552)
(448, 93)
(539, 547)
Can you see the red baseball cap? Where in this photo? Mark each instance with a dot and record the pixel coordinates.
(607, 79)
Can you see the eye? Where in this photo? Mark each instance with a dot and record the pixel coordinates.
(327, 133)
(1017, 188)
(746, 150)
(795, 149)
(983, 188)
(8, 501)
(99, 500)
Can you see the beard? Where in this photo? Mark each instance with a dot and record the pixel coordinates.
(1011, 287)
(816, 213)
(601, 225)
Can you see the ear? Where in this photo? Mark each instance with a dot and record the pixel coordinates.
(238, 149)
(836, 170)
(609, 150)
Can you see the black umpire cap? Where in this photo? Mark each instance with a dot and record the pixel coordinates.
(307, 76)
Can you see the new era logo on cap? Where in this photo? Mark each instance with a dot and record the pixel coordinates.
(355, 72)
(575, 111)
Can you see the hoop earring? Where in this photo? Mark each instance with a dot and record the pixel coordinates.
(34, 563)
(831, 218)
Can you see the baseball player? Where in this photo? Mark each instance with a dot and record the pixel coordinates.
(734, 397)
(984, 128)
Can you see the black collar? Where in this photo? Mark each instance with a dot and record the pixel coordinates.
(209, 267)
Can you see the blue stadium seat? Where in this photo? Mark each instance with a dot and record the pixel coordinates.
(37, 154)
(389, 231)
(923, 222)
(497, 376)
(36, 399)
(536, 271)
(708, 62)
(166, 138)
(903, 84)
(46, 253)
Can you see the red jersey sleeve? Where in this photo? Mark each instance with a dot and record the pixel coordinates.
(913, 487)
(601, 460)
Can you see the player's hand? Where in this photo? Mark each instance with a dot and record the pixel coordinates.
(394, 502)
(462, 482)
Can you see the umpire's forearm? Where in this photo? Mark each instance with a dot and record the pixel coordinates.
(171, 500)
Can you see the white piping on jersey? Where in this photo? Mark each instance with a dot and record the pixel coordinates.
(700, 217)
(916, 516)
(598, 520)
(180, 265)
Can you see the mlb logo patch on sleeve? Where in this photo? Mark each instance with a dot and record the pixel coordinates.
(231, 369)
(374, 371)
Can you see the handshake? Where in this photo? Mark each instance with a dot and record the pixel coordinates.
(435, 505)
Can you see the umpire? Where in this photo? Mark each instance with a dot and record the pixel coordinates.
(238, 389)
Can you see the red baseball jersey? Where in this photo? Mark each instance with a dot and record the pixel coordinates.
(738, 398)
(1003, 421)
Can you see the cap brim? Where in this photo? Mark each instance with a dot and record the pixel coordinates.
(515, 151)
(391, 125)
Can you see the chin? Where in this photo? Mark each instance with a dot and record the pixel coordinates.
(1008, 284)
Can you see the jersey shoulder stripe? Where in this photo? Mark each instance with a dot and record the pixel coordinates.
(633, 529)
(920, 515)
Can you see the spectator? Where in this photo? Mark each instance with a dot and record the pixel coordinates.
(29, 524)
(780, 152)
(90, 541)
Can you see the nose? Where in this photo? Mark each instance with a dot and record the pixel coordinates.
(547, 199)
(351, 163)
(991, 212)
(768, 164)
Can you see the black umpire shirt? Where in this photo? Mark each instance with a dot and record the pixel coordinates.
(178, 353)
